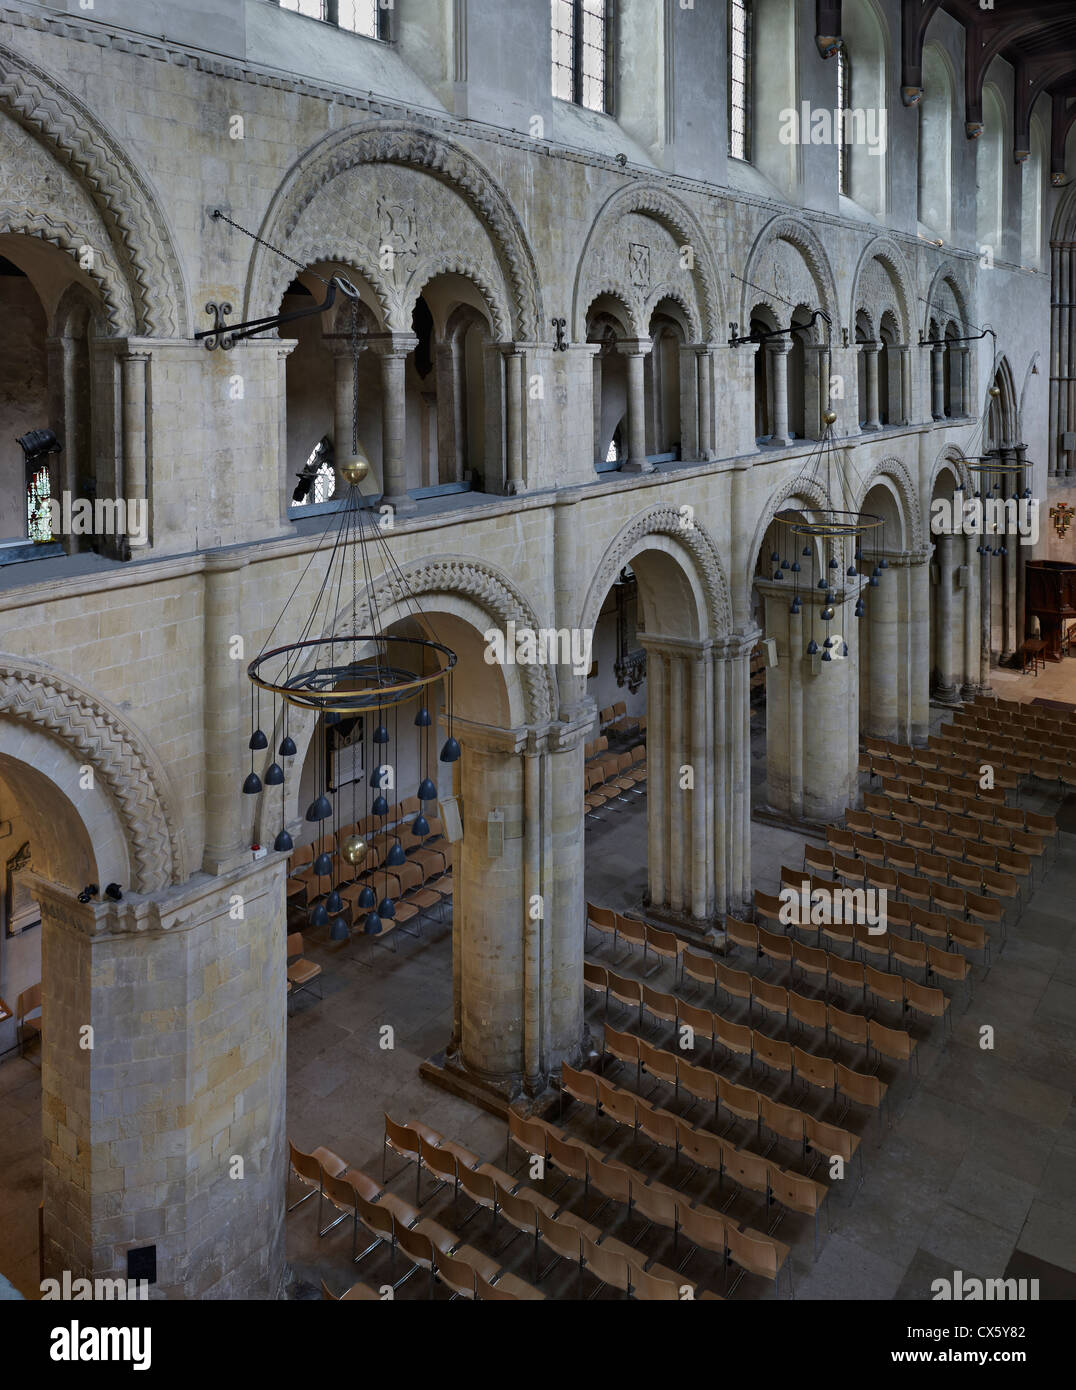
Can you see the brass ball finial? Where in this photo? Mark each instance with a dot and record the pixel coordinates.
(994, 391)
(354, 849)
(830, 417)
(354, 470)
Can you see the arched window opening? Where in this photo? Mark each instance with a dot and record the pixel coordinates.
(844, 105)
(580, 35)
(990, 173)
(936, 143)
(365, 17)
(739, 78)
(1032, 175)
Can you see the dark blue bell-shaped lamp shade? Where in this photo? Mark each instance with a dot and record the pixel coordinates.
(319, 917)
(283, 844)
(852, 572)
(367, 898)
(796, 607)
(338, 931)
(274, 775)
(332, 717)
(422, 719)
(381, 734)
(873, 581)
(420, 826)
(323, 864)
(395, 856)
(812, 648)
(450, 753)
(372, 924)
(859, 609)
(386, 909)
(834, 563)
(252, 785)
(287, 747)
(257, 741)
(826, 656)
(379, 806)
(321, 809)
(427, 790)
(334, 903)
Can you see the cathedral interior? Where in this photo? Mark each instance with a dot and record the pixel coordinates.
(416, 414)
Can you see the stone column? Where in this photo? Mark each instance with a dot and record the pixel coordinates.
(63, 409)
(919, 644)
(596, 387)
(1009, 562)
(134, 366)
(901, 410)
(986, 620)
(185, 993)
(683, 763)
(958, 357)
(1020, 553)
(707, 433)
(636, 350)
(227, 705)
(394, 350)
(965, 381)
(513, 406)
(937, 381)
(970, 687)
(779, 348)
(732, 772)
(946, 690)
(520, 907)
(816, 388)
(883, 621)
(870, 351)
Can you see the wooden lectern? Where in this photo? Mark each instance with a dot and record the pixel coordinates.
(1050, 596)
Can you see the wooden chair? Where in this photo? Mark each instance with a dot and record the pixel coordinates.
(301, 972)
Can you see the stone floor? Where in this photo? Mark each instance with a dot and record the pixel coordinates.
(975, 1172)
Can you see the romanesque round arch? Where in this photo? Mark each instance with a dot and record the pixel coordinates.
(394, 142)
(595, 276)
(136, 227)
(893, 471)
(949, 458)
(947, 284)
(701, 550)
(799, 235)
(884, 253)
(803, 489)
(121, 757)
(456, 263)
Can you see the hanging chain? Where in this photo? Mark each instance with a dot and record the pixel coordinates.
(219, 216)
(355, 378)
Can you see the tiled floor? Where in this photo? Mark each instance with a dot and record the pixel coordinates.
(975, 1172)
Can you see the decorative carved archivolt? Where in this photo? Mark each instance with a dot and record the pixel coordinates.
(77, 140)
(665, 521)
(410, 147)
(120, 757)
(821, 287)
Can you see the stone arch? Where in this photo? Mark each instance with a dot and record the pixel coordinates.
(139, 236)
(595, 276)
(1007, 404)
(947, 294)
(612, 289)
(663, 296)
(799, 488)
(398, 142)
(949, 459)
(472, 590)
(799, 235)
(893, 471)
(104, 273)
(458, 264)
(701, 550)
(896, 293)
(122, 758)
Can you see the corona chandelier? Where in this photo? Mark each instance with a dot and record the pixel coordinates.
(357, 680)
(824, 533)
(992, 475)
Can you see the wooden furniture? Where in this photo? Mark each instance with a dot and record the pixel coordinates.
(5, 1011)
(1050, 597)
(1033, 652)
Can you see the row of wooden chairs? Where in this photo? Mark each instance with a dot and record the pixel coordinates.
(913, 800)
(616, 720)
(612, 778)
(1039, 714)
(955, 783)
(665, 945)
(946, 965)
(500, 1194)
(940, 832)
(951, 885)
(737, 1038)
(750, 1171)
(1035, 722)
(877, 984)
